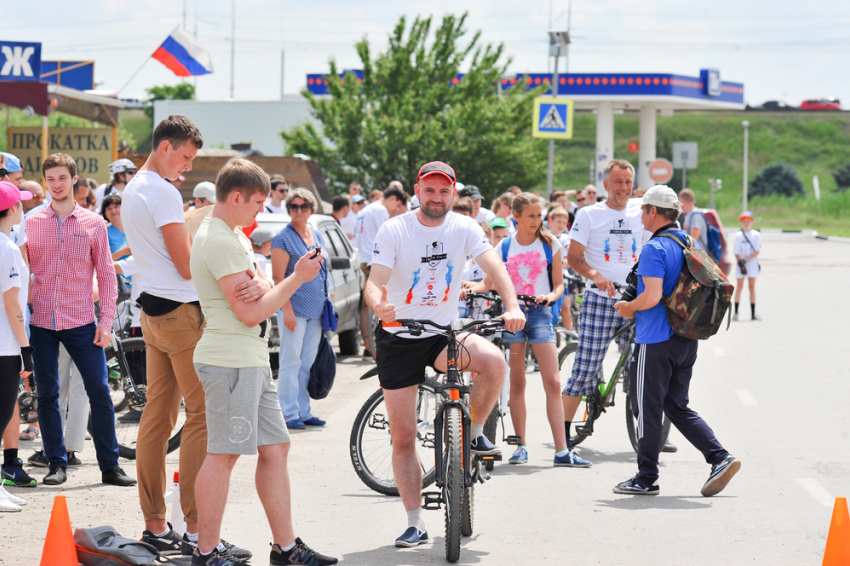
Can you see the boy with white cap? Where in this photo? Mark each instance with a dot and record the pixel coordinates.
(663, 361)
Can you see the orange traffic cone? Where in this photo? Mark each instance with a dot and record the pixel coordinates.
(838, 542)
(59, 549)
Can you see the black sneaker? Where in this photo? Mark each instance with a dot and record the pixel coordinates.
(55, 476)
(632, 487)
(218, 557)
(131, 416)
(116, 476)
(167, 544)
(39, 459)
(73, 461)
(299, 554)
(188, 548)
(720, 476)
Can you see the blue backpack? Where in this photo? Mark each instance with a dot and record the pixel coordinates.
(506, 245)
(712, 239)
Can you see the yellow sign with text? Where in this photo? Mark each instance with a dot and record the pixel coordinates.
(91, 148)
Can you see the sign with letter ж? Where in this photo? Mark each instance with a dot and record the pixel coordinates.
(91, 148)
(553, 118)
(20, 61)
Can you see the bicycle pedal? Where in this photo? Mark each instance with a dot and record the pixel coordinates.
(490, 458)
(514, 440)
(585, 430)
(432, 500)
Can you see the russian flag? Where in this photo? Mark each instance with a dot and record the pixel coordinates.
(182, 54)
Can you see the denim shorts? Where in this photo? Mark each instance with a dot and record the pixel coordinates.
(538, 327)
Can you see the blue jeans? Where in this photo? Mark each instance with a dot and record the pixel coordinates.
(91, 361)
(297, 353)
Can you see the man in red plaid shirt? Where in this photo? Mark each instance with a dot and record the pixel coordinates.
(67, 245)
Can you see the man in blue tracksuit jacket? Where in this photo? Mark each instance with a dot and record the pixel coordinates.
(663, 361)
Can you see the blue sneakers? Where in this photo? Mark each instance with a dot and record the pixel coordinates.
(295, 423)
(484, 447)
(572, 460)
(520, 456)
(315, 421)
(632, 487)
(411, 537)
(669, 447)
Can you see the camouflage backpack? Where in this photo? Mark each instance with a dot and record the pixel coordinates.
(702, 295)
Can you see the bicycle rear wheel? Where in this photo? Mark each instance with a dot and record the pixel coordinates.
(566, 359)
(453, 489)
(370, 444)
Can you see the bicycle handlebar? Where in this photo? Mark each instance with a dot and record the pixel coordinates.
(417, 327)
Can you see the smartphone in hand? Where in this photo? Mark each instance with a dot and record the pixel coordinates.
(316, 252)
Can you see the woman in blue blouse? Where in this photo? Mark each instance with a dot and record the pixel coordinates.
(299, 320)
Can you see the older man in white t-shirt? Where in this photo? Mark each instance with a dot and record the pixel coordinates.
(606, 239)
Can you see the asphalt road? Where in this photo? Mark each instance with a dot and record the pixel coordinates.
(775, 392)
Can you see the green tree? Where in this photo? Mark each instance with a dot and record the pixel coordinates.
(407, 111)
(182, 91)
(777, 179)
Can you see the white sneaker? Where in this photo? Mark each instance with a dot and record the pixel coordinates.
(6, 503)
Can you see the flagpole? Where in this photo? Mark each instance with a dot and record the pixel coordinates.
(137, 71)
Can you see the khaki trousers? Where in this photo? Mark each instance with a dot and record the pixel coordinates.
(170, 340)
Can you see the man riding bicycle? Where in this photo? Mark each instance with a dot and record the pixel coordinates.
(417, 267)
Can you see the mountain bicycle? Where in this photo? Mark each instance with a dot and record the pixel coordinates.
(446, 432)
(604, 394)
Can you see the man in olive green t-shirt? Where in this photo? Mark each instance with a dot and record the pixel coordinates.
(232, 362)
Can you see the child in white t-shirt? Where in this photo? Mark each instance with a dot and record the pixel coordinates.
(472, 274)
(261, 242)
(747, 247)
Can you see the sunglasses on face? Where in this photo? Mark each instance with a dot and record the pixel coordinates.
(3, 172)
(283, 191)
(579, 200)
(302, 207)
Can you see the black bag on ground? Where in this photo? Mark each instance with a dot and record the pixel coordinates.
(103, 546)
(323, 372)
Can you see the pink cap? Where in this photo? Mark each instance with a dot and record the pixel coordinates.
(10, 195)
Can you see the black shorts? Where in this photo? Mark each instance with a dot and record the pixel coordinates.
(402, 361)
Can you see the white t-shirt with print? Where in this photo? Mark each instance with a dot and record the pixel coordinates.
(349, 224)
(472, 272)
(427, 264)
(13, 273)
(528, 268)
(150, 202)
(369, 220)
(612, 238)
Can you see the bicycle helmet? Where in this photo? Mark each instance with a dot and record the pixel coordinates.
(121, 166)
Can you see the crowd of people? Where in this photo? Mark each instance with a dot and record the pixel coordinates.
(197, 272)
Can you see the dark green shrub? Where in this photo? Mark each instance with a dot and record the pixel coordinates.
(776, 179)
(842, 177)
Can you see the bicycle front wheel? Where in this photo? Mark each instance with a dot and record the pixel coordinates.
(371, 446)
(453, 488)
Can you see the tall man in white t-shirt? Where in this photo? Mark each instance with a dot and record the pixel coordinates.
(417, 265)
(606, 239)
(172, 324)
(373, 216)
(280, 190)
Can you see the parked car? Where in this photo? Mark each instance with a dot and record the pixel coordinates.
(345, 281)
(821, 104)
(776, 105)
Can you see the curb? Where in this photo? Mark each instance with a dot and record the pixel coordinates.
(806, 233)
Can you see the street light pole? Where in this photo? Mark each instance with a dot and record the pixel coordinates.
(746, 125)
(550, 171)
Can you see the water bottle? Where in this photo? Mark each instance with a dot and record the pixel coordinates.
(178, 523)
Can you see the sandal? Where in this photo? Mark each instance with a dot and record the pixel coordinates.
(29, 434)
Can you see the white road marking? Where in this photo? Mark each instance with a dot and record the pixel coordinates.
(817, 491)
(719, 352)
(746, 397)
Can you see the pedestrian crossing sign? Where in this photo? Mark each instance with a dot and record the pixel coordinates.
(553, 118)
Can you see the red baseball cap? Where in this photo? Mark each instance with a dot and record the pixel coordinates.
(10, 195)
(437, 168)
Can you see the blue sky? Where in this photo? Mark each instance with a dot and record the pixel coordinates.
(779, 50)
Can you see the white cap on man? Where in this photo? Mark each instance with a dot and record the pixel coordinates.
(662, 196)
(206, 190)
